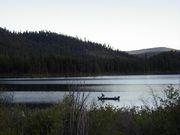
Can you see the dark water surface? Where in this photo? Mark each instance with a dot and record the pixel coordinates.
(132, 89)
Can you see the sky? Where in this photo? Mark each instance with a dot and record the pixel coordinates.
(122, 24)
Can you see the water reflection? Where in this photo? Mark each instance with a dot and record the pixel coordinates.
(129, 94)
(131, 89)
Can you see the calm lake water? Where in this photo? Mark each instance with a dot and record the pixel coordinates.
(132, 89)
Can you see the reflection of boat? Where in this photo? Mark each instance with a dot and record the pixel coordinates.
(108, 98)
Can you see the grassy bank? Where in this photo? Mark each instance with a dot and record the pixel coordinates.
(73, 117)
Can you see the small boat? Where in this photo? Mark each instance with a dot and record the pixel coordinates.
(108, 98)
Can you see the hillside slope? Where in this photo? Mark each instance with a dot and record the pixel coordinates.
(49, 43)
(47, 53)
(51, 53)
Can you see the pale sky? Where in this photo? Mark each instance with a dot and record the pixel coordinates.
(123, 24)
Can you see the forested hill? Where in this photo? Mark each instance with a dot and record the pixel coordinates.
(46, 43)
(47, 53)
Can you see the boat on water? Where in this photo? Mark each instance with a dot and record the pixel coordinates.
(108, 98)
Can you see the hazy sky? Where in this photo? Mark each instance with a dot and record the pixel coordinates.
(123, 24)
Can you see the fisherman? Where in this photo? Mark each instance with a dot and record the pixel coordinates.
(102, 95)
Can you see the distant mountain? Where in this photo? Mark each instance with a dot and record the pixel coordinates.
(150, 50)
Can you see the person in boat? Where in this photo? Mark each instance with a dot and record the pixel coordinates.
(102, 95)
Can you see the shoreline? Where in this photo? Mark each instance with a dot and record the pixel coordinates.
(84, 75)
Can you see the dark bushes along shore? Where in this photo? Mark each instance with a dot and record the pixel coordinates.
(72, 116)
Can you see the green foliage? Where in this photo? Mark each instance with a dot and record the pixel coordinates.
(71, 117)
(172, 97)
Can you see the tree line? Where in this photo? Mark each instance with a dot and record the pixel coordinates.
(47, 53)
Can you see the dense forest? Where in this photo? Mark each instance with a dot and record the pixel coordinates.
(48, 53)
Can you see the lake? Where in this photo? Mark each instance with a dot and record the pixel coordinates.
(132, 89)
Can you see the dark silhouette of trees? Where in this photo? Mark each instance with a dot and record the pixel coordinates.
(47, 53)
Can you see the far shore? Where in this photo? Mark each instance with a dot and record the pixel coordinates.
(81, 74)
